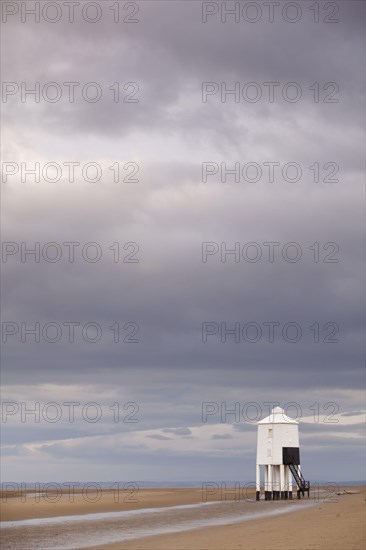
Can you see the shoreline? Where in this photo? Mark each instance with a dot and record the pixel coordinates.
(179, 519)
(325, 526)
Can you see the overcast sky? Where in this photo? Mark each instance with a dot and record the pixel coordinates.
(297, 308)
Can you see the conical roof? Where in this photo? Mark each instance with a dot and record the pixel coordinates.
(277, 416)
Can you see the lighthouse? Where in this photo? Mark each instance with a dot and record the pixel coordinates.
(278, 454)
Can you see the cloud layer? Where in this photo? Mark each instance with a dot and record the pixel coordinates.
(167, 299)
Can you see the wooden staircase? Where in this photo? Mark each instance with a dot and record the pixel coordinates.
(304, 486)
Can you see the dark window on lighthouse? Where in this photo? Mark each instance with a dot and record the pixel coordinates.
(291, 455)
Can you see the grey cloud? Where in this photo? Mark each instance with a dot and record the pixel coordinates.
(178, 431)
(353, 413)
(169, 213)
(159, 437)
(212, 53)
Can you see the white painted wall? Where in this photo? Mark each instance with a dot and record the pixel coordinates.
(272, 437)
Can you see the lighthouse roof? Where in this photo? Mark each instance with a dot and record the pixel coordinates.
(278, 416)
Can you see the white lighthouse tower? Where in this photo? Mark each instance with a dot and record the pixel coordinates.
(278, 453)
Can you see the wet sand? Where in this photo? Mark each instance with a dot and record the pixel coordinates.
(216, 525)
(325, 526)
(52, 504)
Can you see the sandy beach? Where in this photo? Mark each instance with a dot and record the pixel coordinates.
(339, 525)
(167, 519)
